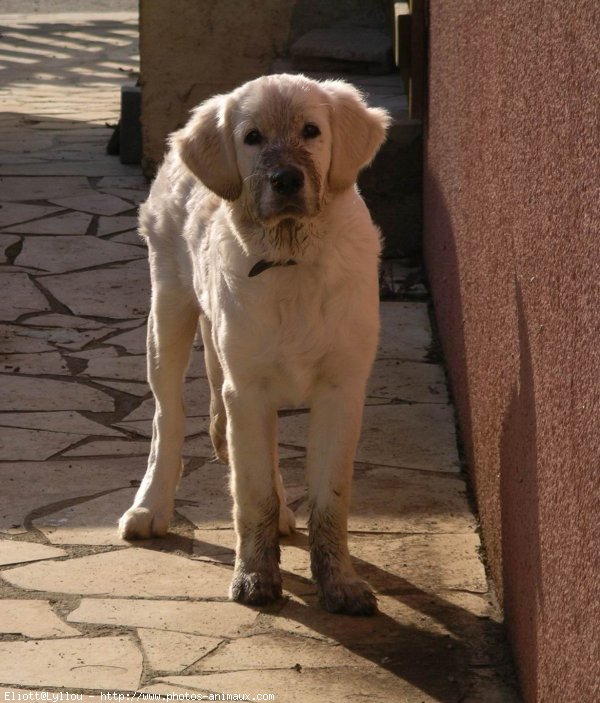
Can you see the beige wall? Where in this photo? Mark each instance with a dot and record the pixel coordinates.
(512, 244)
(190, 50)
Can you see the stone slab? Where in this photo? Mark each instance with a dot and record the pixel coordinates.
(15, 339)
(56, 482)
(23, 393)
(40, 188)
(61, 254)
(125, 368)
(33, 445)
(110, 448)
(106, 663)
(431, 562)
(414, 382)
(92, 522)
(134, 572)
(69, 321)
(335, 685)
(93, 202)
(113, 225)
(119, 292)
(130, 387)
(276, 650)
(20, 296)
(362, 44)
(16, 552)
(7, 241)
(63, 337)
(208, 487)
(50, 363)
(211, 619)
(133, 341)
(72, 223)
(405, 331)
(420, 436)
(404, 501)
(32, 618)
(174, 651)
(56, 422)
(134, 196)
(15, 213)
(131, 182)
(215, 545)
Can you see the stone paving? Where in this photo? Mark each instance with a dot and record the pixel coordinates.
(83, 611)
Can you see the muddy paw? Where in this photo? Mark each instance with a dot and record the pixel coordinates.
(143, 523)
(351, 597)
(255, 587)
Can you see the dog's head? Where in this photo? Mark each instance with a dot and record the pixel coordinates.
(281, 144)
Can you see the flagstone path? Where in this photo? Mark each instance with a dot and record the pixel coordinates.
(83, 611)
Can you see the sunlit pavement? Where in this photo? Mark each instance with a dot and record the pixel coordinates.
(83, 611)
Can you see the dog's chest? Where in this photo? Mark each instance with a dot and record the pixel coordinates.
(282, 335)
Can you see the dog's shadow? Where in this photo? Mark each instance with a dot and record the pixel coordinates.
(433, 643)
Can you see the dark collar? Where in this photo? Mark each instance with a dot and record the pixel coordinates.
(263, 265)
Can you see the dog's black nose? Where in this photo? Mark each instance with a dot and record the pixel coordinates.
(287, 181)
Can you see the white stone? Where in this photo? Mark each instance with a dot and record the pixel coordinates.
(41, 188)
(59, 481)
(112, 225)
(174, 651)
(25, 393)
(405, 331)
(90, 522)
(94, 202)
(211, 618)
(17, 552)
(50, 363)
(397, 500)
(72, 223)
(60, 254)
(116, 292)
(407, 381)
(32, 618)
(134, 572)
(33, 445)
(106, 663)
(20, 296)
(56, 422)
(419, 436)
(122, 447)
(14, 213)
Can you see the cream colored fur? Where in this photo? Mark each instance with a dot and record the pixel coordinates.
(299, 333)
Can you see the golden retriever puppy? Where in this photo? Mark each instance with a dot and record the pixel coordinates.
(255, 228)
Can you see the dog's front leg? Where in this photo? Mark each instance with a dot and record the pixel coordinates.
(251, 438)
(336, 414)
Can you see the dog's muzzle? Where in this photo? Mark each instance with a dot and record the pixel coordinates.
(287, 181)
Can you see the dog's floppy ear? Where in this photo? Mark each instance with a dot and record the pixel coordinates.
(206, 147)
(357, 131)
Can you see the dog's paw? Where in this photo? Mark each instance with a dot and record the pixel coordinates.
(255, 587)
(143, 523)
(353, 597)
(287, 520)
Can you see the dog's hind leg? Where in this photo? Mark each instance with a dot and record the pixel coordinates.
(171, 329)
(218, 414)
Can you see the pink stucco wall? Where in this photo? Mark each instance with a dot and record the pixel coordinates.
(512, 247)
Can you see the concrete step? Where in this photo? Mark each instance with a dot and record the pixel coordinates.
(344, 48)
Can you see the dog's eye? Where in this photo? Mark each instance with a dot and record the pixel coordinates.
(253, 137)
(310, 131)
